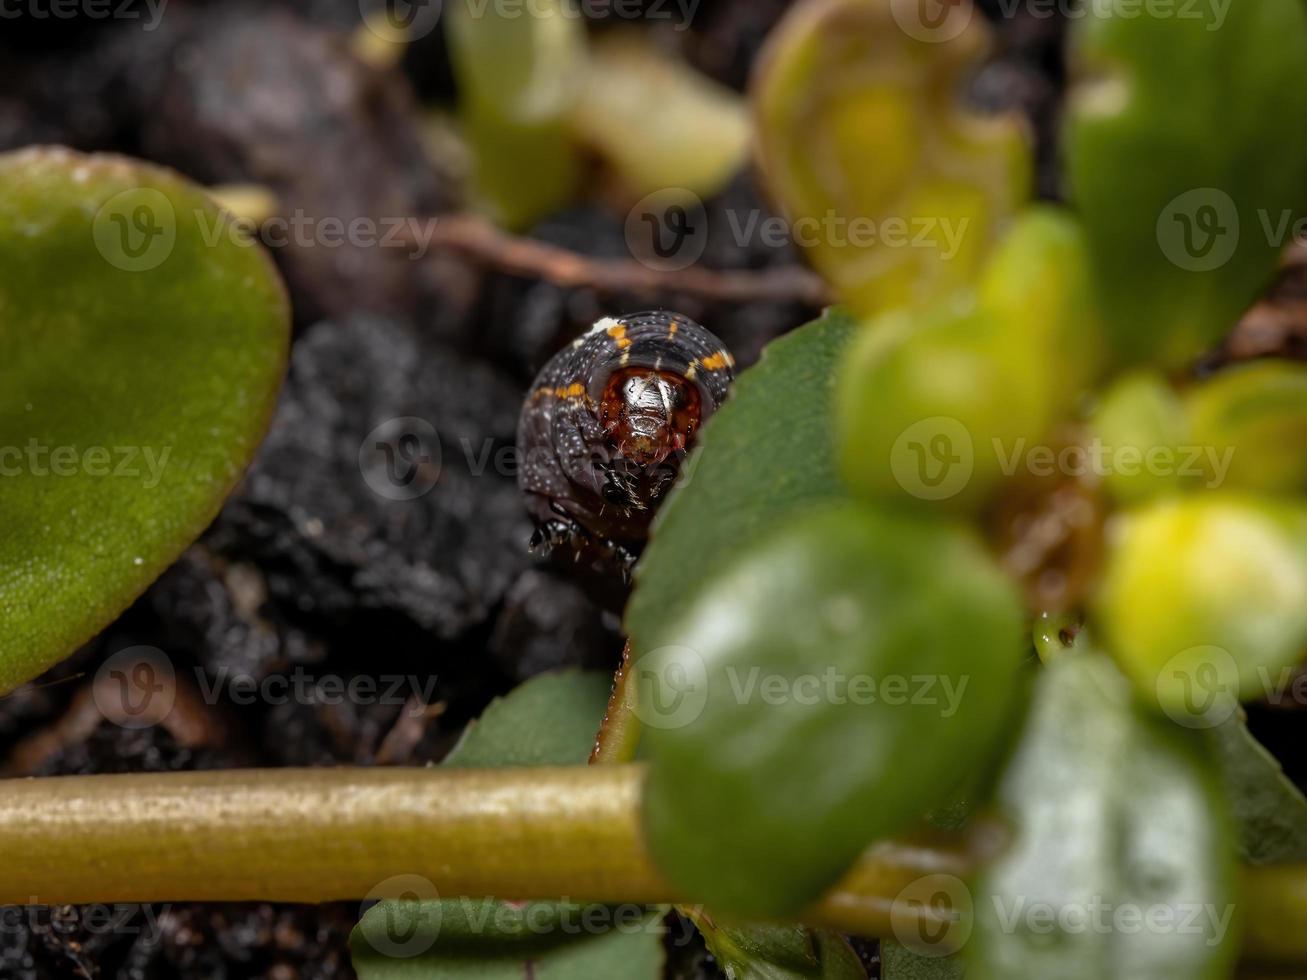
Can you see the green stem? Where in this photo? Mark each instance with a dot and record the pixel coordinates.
(315, 835)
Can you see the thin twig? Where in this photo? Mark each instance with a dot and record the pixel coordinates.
(478, 239)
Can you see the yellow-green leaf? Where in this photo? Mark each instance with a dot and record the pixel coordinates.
(141, 349)
(894, 186)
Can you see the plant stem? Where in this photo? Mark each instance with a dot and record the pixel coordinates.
(314, 835)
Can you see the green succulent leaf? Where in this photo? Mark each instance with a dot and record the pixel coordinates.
(1204, 598)
(765, 454)
(1122, 864)
(550, 720)
(1269, 812)
(519, 70)
(140, 358)
(661, 125)
(779, 952)
(935, 405)
(1139, 420)
(478, 939)
(840, 678)
(1187, 156)
(897, 962)
(730, 493)
(872, 154)
(1251, 420)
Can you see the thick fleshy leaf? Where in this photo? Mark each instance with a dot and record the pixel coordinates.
(893, 184)
(1269, 811)
(779, 952)
(897, 962)
(1204, 600)
(1123, 862)
(1139, 419)
(936, 405)
(834, 683)
(1251, 422)
(763, 455)
(519, 69)
(661, 125)
(1187, 155)
(550, 720)
(141, 349)
(476, 939)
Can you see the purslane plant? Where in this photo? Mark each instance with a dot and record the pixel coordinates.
(835, 525)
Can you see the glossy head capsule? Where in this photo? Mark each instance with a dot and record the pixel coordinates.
(607, 424)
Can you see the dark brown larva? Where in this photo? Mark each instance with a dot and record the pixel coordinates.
(606, 426)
